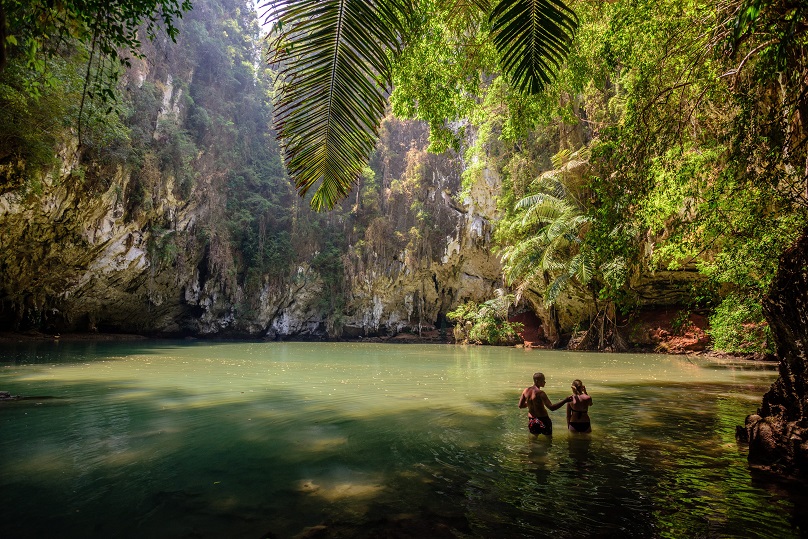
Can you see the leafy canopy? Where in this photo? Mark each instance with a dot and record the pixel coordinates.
(334, 60)
(41, 29)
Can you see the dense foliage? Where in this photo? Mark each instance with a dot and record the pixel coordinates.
(680, 149)
(487, 322)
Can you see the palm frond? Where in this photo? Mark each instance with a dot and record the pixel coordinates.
(543, 208)
(531, 200)
(549, 259)
(582, 267)
(334, 74)
(558, 232)
(552, 182)
(521, 260)
(579, 221)
(468, 9)
(558, 160)
(532, 37)
(555, 289)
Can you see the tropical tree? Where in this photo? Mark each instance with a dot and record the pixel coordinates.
(552, 257)
(109, 28)
(105, 34)
(335, 61)
(549, 252)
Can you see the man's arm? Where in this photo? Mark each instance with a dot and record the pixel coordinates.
(553, 407)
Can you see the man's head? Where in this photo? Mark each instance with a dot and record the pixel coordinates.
(538, 379)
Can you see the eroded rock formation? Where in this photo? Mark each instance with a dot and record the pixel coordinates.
(778, 432)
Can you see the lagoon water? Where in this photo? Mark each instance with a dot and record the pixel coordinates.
(166, 439)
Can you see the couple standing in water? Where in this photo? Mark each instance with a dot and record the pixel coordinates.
(538, 420)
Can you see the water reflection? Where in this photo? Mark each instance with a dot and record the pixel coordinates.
(578, 447)
(342, 440)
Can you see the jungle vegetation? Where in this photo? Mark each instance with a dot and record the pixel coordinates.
(665, 134)
(628, 136)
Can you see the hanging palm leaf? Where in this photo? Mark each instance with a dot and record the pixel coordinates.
(523, 261)
(582, 267)
(333, 64)
(556, 288)
(532, 38)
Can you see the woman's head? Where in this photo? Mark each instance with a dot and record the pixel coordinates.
(577, 386)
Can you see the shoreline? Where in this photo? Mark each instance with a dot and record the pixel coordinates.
(38, 336)
(10, 337)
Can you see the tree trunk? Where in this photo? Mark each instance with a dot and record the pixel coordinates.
(778, 433)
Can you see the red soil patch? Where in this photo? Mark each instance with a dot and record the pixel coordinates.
(669, 330)
(533, 332)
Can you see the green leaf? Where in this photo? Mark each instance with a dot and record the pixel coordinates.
(333, 87)
(555, 289)
(532, 37)
(11, 40)
(582, 266)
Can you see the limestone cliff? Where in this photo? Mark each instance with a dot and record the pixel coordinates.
(72, 263)
(180, 220)
(173, 215)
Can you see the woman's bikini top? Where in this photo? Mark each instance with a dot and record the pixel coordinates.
(573, 410)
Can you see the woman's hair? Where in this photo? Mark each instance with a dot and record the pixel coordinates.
(578, 385)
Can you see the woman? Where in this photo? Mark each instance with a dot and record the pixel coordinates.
(578, 409)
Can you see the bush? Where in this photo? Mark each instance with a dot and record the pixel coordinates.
(491, 331)
(486, 323)
(737, 326)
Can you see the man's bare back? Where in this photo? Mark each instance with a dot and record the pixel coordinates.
(534, 399)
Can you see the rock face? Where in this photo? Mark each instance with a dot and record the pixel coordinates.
(75, 263)
(79, 260)
(186, 225)
(778, 433)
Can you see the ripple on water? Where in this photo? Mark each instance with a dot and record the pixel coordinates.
(246, 439)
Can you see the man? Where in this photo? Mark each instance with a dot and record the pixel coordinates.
(535, 399)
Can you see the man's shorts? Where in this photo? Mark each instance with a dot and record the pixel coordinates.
(540, 425)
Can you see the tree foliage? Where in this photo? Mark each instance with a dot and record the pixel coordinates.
(332, 57)
(334, 61)
(41, 29)
(696, 156)
(487, 322)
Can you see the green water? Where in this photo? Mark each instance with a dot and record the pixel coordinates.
(186, 439)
